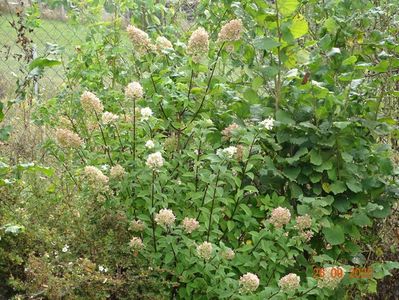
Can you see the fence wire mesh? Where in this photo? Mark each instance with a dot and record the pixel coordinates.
(53, 28)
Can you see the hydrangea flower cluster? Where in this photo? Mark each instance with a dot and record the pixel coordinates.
(249, 282)
(163, 43)
(229, 152)
(228, 131)
(190, 224)
(289, 282)
(109, 118)
(231, 31)
(136, 244)
(90, 102)
(139, 38)
(228, 254)
(95, 177)
(149, 144)
(155, 161)
(145, 113)
(117, 172)
(204, 250)
(198, 44)
(280, 217)
(165, 217)
(68, 139)
(329, 279)
(134, 91)
(137, 226)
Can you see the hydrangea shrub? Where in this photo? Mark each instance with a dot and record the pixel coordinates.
(242, 158)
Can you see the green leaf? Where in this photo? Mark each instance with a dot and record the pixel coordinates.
(338, 187)
(42, 63)
(315, 158)
(292, 173)
(361, 219)
(287, 7)
(266, 43)
(354, 185)
(334, 235)
(299, 26)
(246, 209)
(284, 117)
(5, 132)
(350, 60)
(301, 152)
(251, 96)
(326, 187)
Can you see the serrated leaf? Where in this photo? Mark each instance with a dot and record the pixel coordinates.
(284, 117)
(338, 187)
(354, 185)
(315, 158)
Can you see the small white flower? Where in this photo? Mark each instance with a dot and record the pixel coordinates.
(102, 269)
(145, 113)
(178, 181)
(149, 144)
(267, 123)
(65, 249)
(155, 161)
(108, 118)
(228, 152)
(134, 91)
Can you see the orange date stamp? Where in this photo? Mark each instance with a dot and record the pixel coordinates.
(337, 272)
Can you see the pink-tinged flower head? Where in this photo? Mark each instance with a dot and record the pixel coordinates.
(68, 139)
(198, 44)
(136, 244)
(289, 282)
(117, 172)
(90, 102)
(134, 90)
(231, 31)
(96, 179)
(249, 282)
(303, 222)
(139, 38)
(190, 224)
(204, 250)
(165, 217)
(331, 278)
(280, 217)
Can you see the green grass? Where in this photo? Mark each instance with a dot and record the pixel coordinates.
(50, 31)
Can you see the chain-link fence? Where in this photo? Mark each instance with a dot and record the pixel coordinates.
(53, 29)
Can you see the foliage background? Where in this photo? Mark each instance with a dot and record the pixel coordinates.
(336, 82)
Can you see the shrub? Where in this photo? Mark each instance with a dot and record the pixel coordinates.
(241, 161)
